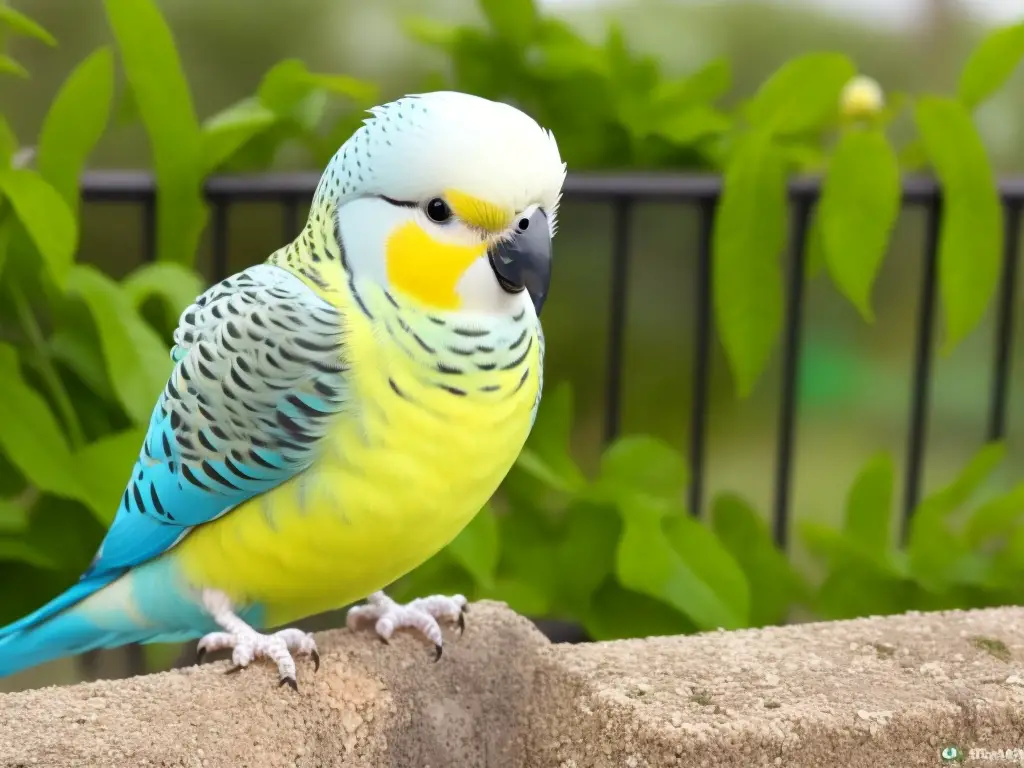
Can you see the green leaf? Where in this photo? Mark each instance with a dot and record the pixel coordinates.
(105, 467)
(699, 584)
(802, 94)
(642, 464)
(996, 517)
(860, 203)
(65, 533)
(7, 225)
(287, 86)
(852, 592)
(8, 142)
(586, 554)
(21, 24)
(173, 283)
(13, 516)
(618, 613)
(868, 513)
(21, 551)
(74, 124)
(284, 86)
(561, 53)
(991, 64)
(477, 548)
(749, 235)
(774, 584)
(814, 260)
(227, 131)
(33, 442)
(522, 597)
(707, 84)
(359, 91)
(547, 455)
(693, 124)
(80, 352)
(711, 561)
(46, 217)
(161, 93)
(970, 251)
(514, 20)
(137, 359)
(430, 32)
(932, 544)
(529, 544)
(11, 67)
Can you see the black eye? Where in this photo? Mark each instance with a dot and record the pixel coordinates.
(524, 224)
(438, 210)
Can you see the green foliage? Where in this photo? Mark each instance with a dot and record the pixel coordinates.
(971, 244)
(619, 554)
(80, 364)
(860, 202)
(611, 108)
(749, 234)
(617, 548)
(957, 555)
(991, 64)
(161, 95)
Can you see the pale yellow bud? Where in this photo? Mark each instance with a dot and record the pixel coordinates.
(862, 97)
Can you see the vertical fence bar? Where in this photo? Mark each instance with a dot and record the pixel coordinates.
(701, 357)
(790, 368)
(149, 227)
(921, 385)
(622, 208)
(220, 240)
(1004, 324)
(290, 224)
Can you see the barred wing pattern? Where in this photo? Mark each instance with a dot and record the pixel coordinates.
(259, 372)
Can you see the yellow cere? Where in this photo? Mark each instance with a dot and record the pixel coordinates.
(425, 269)
(478, 213)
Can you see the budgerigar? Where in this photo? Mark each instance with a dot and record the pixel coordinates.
(337, 414)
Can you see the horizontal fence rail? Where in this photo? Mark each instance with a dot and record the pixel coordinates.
(623, 191)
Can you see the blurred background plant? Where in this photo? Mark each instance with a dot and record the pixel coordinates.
(596, 535)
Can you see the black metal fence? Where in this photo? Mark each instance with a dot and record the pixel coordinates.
(622, 192)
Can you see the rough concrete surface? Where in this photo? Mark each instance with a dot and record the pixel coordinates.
(370, 704)
(871, 692)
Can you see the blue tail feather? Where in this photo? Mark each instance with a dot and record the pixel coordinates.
(66, 599)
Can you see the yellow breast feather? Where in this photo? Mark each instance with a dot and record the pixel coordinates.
(440, 413)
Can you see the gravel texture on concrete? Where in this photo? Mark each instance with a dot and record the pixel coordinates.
(890, 691)
(872, 692)
(370, 704)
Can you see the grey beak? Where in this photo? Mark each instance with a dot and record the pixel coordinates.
(524, 262)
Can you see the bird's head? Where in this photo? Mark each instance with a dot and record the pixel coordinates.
(449, 201)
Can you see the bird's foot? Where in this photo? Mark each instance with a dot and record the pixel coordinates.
(421, 615)
(248, 644)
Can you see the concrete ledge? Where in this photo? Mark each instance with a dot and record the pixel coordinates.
(871, 692)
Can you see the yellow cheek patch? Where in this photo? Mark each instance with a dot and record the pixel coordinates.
(426, 270)
(479, 213)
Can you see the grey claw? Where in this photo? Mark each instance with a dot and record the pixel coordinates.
(462, 624)
(200, 655)
(291, 681)
(316, 661)
(437, 652)
(234, 669)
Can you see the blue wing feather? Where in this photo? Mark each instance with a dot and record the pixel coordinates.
(242, 412)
